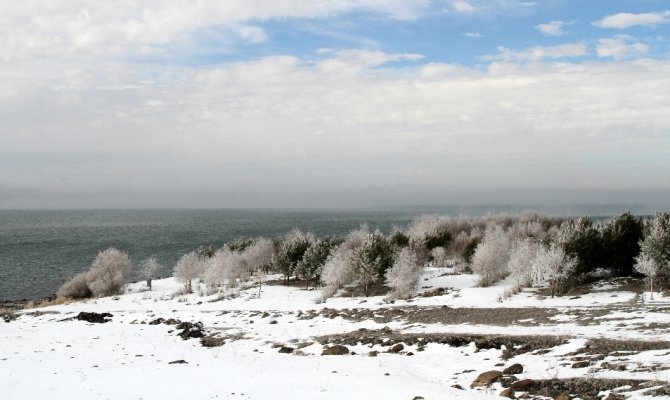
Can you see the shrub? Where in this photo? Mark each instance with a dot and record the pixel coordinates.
(108, 273)
(403, 276)
(76, 288)
(522, 261)
(470, 249)
(439, 256)
(225, 266)
(398, 239)
(554, 266)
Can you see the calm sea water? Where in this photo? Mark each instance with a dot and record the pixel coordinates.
(40, 250)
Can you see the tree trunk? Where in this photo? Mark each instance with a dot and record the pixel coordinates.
(149, 283)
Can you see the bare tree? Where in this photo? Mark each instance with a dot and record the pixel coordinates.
(491, 257)
(649, 267)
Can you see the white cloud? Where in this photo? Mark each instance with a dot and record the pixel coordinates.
(540, 53)
(627, 20)
(473, 35)
(463, 6)
(553, 28)
(252, 34)
(621, 47)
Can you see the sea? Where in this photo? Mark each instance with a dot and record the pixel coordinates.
(42, 249)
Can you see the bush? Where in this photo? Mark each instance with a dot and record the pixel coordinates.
(336, 272)
(311, 264)
(108, 273)
(76, 288)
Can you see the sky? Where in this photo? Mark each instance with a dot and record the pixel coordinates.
(333, 104)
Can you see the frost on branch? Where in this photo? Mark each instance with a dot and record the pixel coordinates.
(491, 257)
(404, 275)
(189, 267)
(108, 273)
(150, 268)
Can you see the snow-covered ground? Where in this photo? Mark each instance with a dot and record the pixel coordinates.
(47, 353)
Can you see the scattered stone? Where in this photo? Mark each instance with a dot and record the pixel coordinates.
(397, 348)
(563, 396)
(178, 362)
(509, 393)
(507, 381)
(336, 350)
(614, 396)
(265, 314)
(93, 317)
(418, 398)
(581, 364)
(486, 379)
(523, 385)
(457, 386)
(286, 350)
(373, 353)
(274, 321)
(212, 341)
(409, 353)
(513, 369)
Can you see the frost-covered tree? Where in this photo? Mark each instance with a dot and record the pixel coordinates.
(290, 251)
(240, 244)
(336, 272)
(650, 268)
(189, 267)
(404, 275)
(439, 256)
(149, 269)
(109, 272)
(311, 264)
(580, 239)
(398, 239)
(656, 246)
(258, 257)
(370, 261)
(521, 261)
(491, 257)
(554, 266)
(224, 267)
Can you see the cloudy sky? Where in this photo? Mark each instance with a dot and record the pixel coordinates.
(338, 103)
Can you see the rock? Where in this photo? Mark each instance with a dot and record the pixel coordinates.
(212, 341)
(614, 396)
(273, 322)
(373, 353)
(513, 369)
(523, 385)
(563, 396)
(286, 350)
(581, 364)
(509, 393)
(486, 378)
(178, 362)
(457, 386)
(93, 317)
(418, 398)
(396, 348)
(336, 350)
(507, 381)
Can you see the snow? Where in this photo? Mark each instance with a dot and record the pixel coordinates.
(48, 354)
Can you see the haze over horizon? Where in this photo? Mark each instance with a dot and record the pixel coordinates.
(338, 104)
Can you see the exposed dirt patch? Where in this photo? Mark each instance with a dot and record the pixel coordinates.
(514, 345)
(442, 315)
(586, 389)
